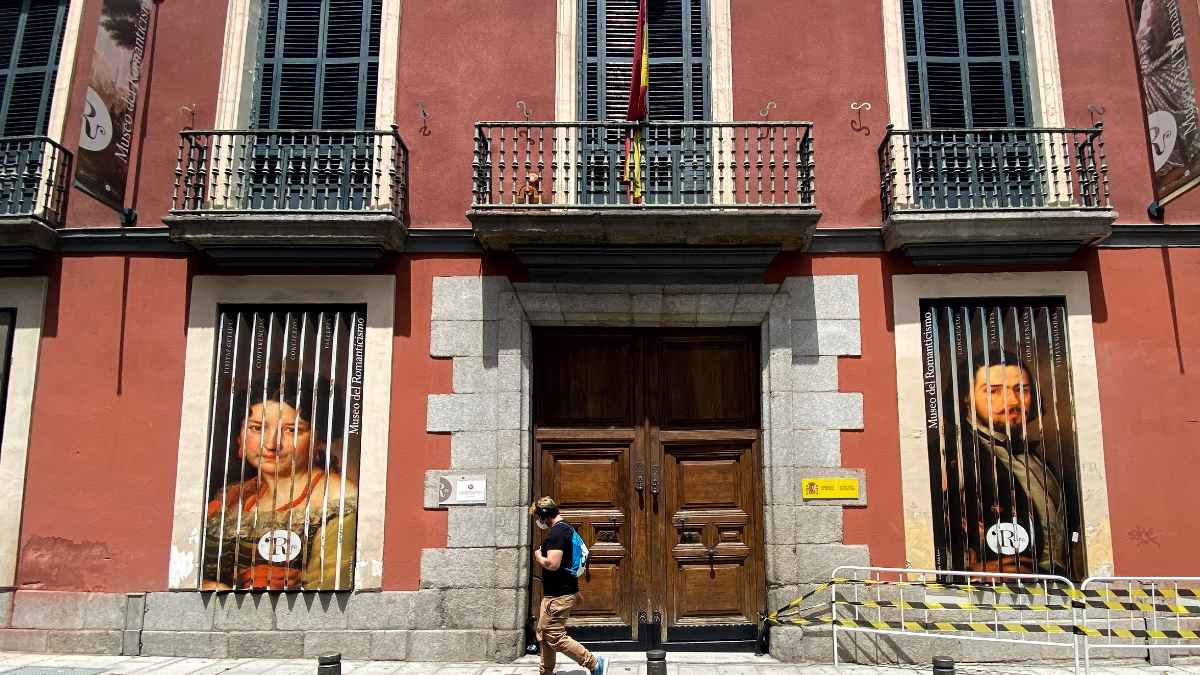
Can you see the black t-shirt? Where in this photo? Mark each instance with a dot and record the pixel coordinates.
(560, 581)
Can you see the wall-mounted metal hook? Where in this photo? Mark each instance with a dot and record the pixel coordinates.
(424, 131)
(525, 111)
(856, 125)
(190, 111)
(766, 111)
(1096, 111)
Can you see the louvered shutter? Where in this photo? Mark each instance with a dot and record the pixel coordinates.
(30, 46)
(965, 63)
(678, 61)
(318, 64)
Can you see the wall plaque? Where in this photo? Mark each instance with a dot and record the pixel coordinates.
(462, 490)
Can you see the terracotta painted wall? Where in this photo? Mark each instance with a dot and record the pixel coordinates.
(467, 62)
(1147, 327)
(105, 429)
(181, 68)
(813, 59)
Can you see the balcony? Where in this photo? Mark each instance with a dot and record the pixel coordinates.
(34, 182)
(705, 184)
(286, 198)
(952, 196)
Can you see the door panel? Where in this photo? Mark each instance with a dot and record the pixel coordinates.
(649, 441)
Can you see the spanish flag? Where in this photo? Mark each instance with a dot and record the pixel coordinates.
(639, 89)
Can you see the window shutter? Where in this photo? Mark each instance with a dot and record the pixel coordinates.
(678, 58)
(318, 64)
(30, 46)
(965, 62)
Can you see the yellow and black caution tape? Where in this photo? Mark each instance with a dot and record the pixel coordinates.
(968, 606)
(981, 627)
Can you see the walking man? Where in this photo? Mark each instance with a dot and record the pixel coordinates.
(560, 592)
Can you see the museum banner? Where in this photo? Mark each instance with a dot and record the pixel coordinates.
(1000, 426)
(283, 448)
(1168, 96)
(110, 106)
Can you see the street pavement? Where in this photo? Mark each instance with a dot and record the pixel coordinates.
(625, 663)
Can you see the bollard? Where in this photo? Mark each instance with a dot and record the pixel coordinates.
(656, 662)
(943, 665)
(329, 664)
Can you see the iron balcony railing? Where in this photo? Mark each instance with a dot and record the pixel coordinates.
(961, 169)
(682, 164)
(34, 175)
(289, 170)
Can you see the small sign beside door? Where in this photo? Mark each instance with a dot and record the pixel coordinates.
(829, 488)
(462, 490)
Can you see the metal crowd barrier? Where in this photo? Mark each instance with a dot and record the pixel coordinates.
(1139, 613)
(1025, 609)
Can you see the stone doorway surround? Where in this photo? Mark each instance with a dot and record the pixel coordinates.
(484, 325)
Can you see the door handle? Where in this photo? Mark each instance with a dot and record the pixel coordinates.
(639, 476)
(655, 478)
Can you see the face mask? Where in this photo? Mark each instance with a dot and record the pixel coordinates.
(542, 524)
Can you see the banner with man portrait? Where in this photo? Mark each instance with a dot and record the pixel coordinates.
(284, 442)
(1168, 95)
(1004, 468)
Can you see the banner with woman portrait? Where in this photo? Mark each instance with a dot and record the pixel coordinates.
(283, 454)
(1000, 427)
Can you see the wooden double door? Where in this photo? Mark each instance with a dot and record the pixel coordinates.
(649, 441)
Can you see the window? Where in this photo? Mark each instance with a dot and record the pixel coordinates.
(7, 319)
(318, 64)
(283, 448)
(965, 62)
(679, 92)
(30, 41)
(1000, 428)
(965, 65)
(317, 69)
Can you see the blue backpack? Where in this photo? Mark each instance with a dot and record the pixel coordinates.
(579, 555)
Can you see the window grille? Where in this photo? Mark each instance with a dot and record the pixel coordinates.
(1004, 465)
(284, 441)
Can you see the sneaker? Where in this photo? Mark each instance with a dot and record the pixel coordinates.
(601, 666)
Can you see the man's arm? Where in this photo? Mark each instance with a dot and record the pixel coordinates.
(551, 561)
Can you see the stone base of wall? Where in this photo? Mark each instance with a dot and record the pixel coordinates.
(427, 625)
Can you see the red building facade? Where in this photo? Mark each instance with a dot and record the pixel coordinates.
(844, 263)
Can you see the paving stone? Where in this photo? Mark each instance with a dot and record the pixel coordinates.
(426, 610)
(312, 611)
(457, 298)
(183, 611)
(836, 297)
(457, 568)
(351, 644)
(827, 410)
(471, 374)
(266, 644)
(23, 640)
(818, 524)
(245, 611)
(469, 607)
(817, 447)
(471, 527)
(815, 373)
(472, 450)
(84, 642)
(388, 610)
(389, 645)
(448, 645)
(505, 646)
(196, 644)
(461, 412)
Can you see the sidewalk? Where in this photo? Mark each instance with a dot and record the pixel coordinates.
(624, 663)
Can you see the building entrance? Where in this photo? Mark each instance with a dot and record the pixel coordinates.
(649, 441)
